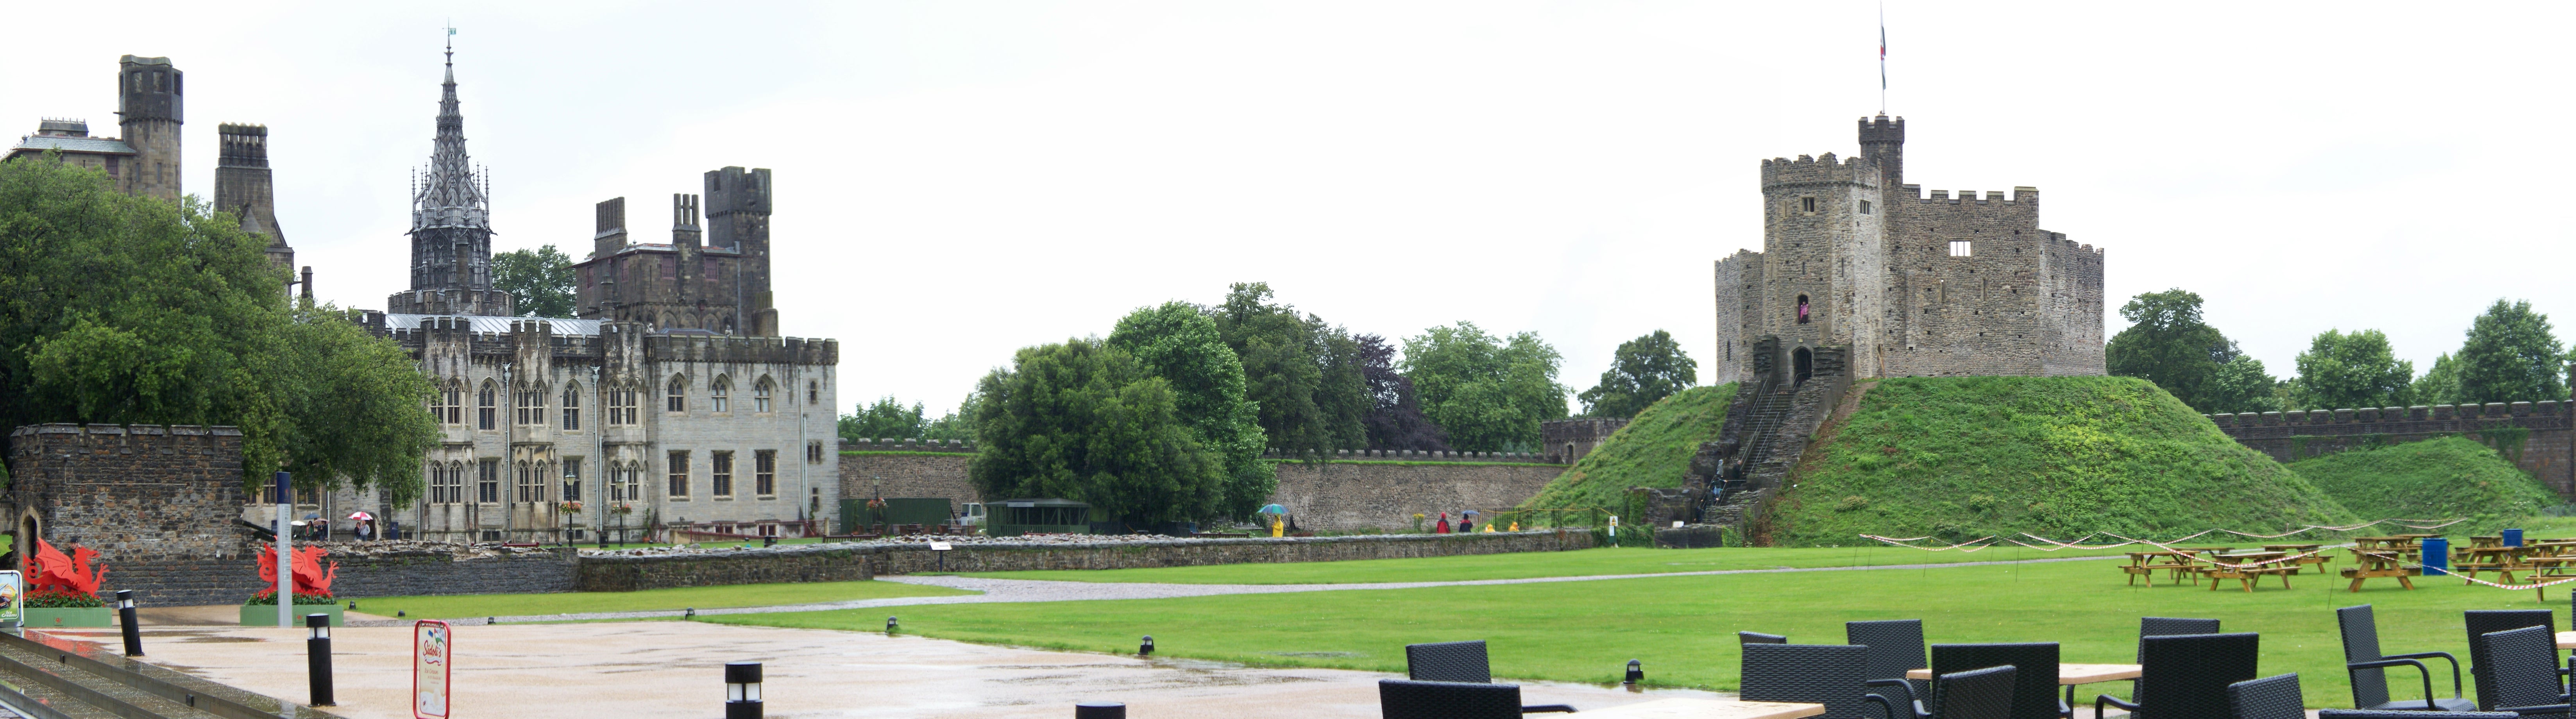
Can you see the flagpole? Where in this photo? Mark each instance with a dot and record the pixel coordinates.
(1882, 57)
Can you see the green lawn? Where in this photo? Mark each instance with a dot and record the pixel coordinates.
(1683, 627)
(1588, 562)
(744, 595)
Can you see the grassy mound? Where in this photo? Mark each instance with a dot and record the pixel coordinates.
(2432, 479)
(1962, 457)
(1654, 450)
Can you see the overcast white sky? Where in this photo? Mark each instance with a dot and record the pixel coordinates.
(959, 179)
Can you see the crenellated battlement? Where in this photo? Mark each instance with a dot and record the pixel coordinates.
(908, 445)
(2491, 412)
(1815, 170)
(1411, 455)
(2021, 195)
(729, 348)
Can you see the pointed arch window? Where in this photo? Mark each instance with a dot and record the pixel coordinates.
(622, 403)
(455, 402)
(676, 396)
(571, 406)
(760, 392)
(530, 405)
(719, 398)
(487, 407)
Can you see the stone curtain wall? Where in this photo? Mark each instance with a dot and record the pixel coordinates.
(2537, 437)
(1567, 440)
(142, 493)
(828, 562)
(1349, 496)
(1370, 489)
(234, 578)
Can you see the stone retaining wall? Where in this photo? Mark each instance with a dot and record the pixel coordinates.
(233, 579)
(1366, 491)
(828, 562)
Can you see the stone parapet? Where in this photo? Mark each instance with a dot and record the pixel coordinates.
(2538, 437)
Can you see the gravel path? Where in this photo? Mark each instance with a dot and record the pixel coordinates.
(1033, 590)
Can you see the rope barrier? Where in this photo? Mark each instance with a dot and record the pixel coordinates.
(2078, 542)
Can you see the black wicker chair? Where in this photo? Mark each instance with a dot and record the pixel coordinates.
(1408, 699)
(1447, 662)
(2186, 676)
(2034, 689)
(2166, 627)
(1895, 647)
(1830, 674)
(2366, 667)
(2518, 672)
(1760, 638)
(2482, 622)
(2272, 697)
(1976, 694)
(2394, 714)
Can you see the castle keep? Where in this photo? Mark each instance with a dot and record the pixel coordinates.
(1904, 283)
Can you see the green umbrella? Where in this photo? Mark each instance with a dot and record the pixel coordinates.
(1273, 509)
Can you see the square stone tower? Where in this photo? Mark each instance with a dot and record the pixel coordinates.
(1912, 284)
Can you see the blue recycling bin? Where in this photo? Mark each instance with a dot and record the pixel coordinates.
(2512, 537)
(2437, 556)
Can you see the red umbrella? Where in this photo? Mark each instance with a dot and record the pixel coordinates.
(362, 516)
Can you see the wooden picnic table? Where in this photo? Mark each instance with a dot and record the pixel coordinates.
(2069, 675)
(2416, 536)
(2248, 576)
(2292, 547)
(2370, 562)
(2486, 540)
(1696, 708)
(2502, 560)
(2145, 564)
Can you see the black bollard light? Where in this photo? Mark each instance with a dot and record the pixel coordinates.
(1636, 672)
(742, 690)
(1146, 649)
(125, 615)
(317, 656)
(891, 626)
(1100, 710)
(689, 616)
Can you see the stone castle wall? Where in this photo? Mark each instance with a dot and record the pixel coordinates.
(827, 562)
(140, 493)
(233, 578)
(1367, 489)
(2539, 437)
(1569, 439)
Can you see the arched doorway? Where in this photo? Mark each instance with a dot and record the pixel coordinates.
(1802, 364)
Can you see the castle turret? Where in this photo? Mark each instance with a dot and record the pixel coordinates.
(738, 219)
(243, 186)
(686, 239)
(1884, 140)
(152, 107)
(1823, 280)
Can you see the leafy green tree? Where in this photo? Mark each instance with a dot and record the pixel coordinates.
(1643, 371)
(2168, 344)
(2511, 356)
(1489, 392)
(1084, 421)
(133, 310)
(1180, 344)
(2354, 369)
(539, 280)
(1302, 375)
(1395, 420)
(886, 418)
(2240, 385)
(2441, 384)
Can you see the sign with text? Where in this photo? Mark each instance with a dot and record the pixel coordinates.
(939, 546)
(432, 664)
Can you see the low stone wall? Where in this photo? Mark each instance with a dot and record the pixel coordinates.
(2539, 437)
(829, 562)
(233, 579)
(1361, 491)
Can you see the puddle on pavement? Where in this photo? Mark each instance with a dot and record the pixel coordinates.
(219, 639)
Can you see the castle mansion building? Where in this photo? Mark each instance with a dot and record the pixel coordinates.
(1903, 283)
(670, 403)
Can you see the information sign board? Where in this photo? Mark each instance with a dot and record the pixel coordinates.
(433, 655)
(13, 595)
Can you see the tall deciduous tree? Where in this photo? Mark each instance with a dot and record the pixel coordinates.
(2441, 384)
(885, 418)
(132, 310)
(1180, 344)
(1086, 422)
(1489, 392)
(1643, 371)
(2355, 369)
(2168, 344)
(1302, 374)
(540, 281)
(2511, 356)
(1396, 420)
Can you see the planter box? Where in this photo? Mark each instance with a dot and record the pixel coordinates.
(70, 617)
(265, 615)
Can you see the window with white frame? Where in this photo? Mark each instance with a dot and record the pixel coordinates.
(1959, 248)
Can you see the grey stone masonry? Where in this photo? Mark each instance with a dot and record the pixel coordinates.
(2538, 437)
(136, 494)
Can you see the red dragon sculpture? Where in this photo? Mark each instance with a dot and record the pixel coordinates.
(73, 576)
(312, 580)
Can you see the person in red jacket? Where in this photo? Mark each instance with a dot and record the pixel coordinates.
(1443, 526)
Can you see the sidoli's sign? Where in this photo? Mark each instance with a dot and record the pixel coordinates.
(432, 654)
